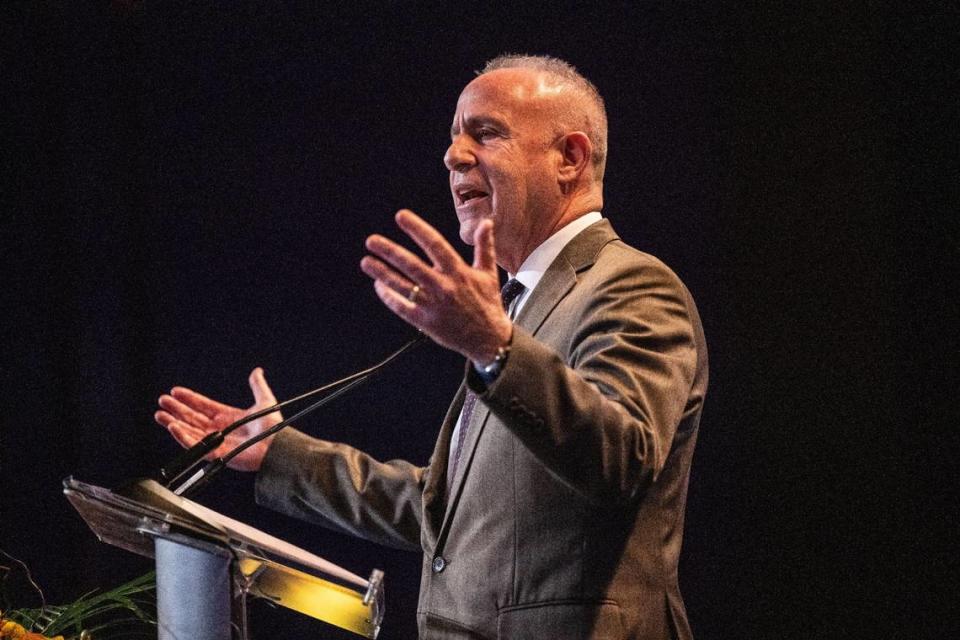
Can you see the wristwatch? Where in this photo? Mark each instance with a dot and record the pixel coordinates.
(489, 372)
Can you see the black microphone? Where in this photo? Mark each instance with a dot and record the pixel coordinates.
(189, 459)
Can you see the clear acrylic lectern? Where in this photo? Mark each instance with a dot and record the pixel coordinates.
(207, 565)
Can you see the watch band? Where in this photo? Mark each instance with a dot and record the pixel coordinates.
(489, 372)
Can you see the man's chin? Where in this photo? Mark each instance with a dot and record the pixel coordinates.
(467, 229)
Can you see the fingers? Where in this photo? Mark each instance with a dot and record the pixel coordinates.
(396, 302)
(429, 239)
(183, 433)
(401, 269)
(182, 412)
(455, 303)
(199, 402)
(484, 251)
(188, 435)
(163, 418)
(399, 258)
(262, 393)
(377, 270)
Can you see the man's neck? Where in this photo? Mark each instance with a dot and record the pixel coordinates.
(574, 209)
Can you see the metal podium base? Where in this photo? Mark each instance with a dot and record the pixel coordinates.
(195, 591)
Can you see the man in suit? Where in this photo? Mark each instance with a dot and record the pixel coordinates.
(552, 506)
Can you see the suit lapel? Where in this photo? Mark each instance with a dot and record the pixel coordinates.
(558, 279)
(477, 422)
(561, 275)
(435, 487)
(556, 282)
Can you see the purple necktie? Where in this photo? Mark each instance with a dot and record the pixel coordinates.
(510, 291)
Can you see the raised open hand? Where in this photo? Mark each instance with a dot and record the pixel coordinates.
(455, 303)
(189, 416)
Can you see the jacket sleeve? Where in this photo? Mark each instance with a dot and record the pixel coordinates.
(342, 488)
(603, 415)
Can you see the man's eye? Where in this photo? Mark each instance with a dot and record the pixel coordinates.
(483, 134)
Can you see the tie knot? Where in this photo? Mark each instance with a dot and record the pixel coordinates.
(510, 291)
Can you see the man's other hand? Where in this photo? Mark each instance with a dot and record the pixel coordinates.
(189, 416)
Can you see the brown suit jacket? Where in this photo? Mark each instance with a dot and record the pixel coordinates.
(566, 515)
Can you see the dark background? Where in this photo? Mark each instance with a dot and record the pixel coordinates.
(187, 188)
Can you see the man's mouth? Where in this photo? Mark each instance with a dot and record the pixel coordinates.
(465, 195)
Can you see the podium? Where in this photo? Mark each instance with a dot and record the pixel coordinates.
(208, 565)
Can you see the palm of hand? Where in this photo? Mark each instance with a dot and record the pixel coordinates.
(224, 418)
(189, 416)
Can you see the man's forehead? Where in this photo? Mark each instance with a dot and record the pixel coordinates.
(511, 85)
(506, 90)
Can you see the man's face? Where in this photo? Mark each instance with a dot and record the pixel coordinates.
(502, 160)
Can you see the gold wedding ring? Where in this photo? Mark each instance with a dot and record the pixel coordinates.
(412, 296)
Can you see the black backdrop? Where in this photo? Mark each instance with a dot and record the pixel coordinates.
(188, 187)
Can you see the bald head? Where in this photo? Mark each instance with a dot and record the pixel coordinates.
(577, 105)
(520, 155)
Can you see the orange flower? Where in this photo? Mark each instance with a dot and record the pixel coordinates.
(10, 630)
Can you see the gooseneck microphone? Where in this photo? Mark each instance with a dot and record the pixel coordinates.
(189, 459)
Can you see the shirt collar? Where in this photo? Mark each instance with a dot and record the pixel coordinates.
(536, 264)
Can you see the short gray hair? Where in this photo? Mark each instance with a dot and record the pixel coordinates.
(593, 119)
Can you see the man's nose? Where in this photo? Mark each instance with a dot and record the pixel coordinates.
(459, 157)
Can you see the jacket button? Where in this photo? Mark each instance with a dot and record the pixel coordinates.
(438, 564)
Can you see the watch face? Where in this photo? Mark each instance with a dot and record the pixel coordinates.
(494, 367)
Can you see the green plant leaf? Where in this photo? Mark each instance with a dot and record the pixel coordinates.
(128, 605)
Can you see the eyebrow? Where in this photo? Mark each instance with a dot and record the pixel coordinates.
(478, 121)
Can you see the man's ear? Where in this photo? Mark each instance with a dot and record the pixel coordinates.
(575, 154)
